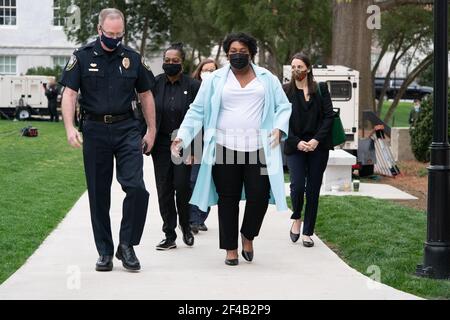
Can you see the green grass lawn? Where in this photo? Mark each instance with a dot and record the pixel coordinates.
(366, 232)
(401, 115)
(40, 180)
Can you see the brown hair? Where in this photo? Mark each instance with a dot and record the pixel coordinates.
(198, 71)
(312, 85)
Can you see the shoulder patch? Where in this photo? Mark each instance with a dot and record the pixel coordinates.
(146, 64)
(72, 62)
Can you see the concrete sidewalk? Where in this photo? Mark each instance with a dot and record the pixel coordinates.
(63, 266)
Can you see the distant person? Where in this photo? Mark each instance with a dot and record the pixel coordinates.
(198, 217)
(51, 92)
(414, 114)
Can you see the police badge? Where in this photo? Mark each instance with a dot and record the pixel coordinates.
(72, 62)
(126, 63)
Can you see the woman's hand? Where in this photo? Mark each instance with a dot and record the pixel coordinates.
(313, 143)
(176, 147)
(303, 146)
(276, 138)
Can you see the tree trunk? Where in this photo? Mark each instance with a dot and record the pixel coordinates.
(219, 50)
(417, 71)
(352, 45)
(144, 36)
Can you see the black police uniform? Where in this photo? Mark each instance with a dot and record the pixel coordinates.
(108, 82)
(51, 92)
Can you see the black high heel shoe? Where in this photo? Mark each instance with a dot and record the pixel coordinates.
(232, 262)
(294, 236)
(248, 255)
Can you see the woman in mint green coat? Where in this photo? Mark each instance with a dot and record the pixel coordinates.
(244, 111)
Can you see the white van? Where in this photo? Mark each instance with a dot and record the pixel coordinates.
(23, 96)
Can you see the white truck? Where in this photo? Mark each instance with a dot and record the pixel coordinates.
(343, 84)
(23, 96)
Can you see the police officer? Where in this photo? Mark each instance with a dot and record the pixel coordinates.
(51, 92)
(108, 73)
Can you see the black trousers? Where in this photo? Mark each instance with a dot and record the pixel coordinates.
(306, 171)
(237, 170)
(173, 187)
(103, 143)
(52, 108)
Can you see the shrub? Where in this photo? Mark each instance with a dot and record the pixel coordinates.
(422, 131)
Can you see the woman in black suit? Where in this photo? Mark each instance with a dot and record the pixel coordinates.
(307, 147)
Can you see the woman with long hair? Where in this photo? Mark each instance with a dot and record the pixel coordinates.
(308, 144)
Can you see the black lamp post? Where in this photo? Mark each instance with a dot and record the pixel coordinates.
(437, 247)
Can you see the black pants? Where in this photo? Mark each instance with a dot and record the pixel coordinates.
(173, 186)
(238, 170)
(103, 143)
(306, 171)
(52, 108)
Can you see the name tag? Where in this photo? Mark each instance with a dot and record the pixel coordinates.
(93, 70)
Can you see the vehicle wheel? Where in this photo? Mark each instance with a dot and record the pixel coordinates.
(23, 113)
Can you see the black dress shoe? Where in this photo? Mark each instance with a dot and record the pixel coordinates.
(202, 227)
(104, 263)
(195, 228)
(128, 257)
(294, 236)
(188, 237)
(308, 244)
(166, 244)
(232, 262)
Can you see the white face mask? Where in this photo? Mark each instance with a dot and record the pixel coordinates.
(205, 75)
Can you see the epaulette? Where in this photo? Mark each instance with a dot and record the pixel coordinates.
(85, 47)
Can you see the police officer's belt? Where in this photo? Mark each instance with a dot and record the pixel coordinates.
(108, 118)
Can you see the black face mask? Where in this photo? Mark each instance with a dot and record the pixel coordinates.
(239, 60)
(172, 69)
(111, 43)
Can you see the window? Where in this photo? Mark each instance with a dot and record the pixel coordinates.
(58, 13)
(8, 65)
(340, 90)
(8, 12)
(60, 61)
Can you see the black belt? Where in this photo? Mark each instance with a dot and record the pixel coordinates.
(108, 118)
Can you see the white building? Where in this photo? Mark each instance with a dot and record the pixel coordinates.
(32, 35)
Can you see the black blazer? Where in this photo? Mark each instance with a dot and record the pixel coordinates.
(188, 84)
(323, 134)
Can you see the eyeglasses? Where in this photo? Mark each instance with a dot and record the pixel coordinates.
(112, 35)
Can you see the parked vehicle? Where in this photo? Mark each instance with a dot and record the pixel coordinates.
(414, 90)
(23, 96)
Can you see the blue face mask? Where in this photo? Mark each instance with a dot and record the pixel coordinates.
(111, 43)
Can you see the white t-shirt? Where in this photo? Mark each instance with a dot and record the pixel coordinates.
(240, 115)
